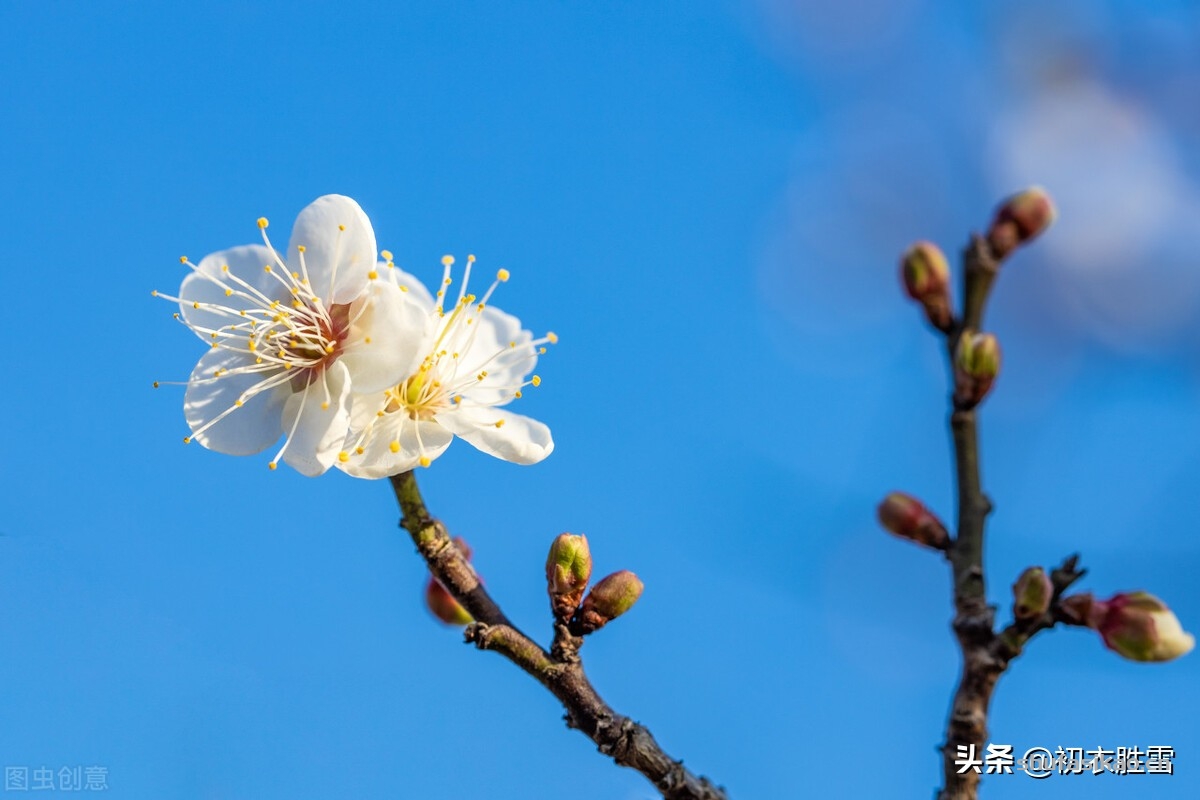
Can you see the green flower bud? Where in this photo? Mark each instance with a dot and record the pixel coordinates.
(609, 599)
(926, 277)
(568, 568)
(976, 365)
(1032, 593)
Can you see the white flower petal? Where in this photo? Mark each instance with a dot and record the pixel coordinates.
(319, 431)
(501, 346)
(207, 285)
(387, 340)
(378, 460)
(518, 439)
(409, 285)
(245, 430)
(339, 247)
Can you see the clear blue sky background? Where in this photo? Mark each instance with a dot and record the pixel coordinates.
(706, 201)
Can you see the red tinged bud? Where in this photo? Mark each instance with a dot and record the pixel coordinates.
(907, 517)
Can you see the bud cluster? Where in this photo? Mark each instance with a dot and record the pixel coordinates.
(568, 569)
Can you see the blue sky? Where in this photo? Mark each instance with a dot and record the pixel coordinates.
(706, 201)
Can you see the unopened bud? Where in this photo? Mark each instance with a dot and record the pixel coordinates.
(976, 365)
(926, 276)
(1032, 593)
(1140, 627)
(609, 599)
(907, 517)
(568, 568)
(1019, 219)
(443, 606)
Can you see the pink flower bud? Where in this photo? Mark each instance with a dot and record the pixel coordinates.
(907, 517)
(443, 605)
(1032, 593)
(1140, 627)
(609, 599)
(1019, 219)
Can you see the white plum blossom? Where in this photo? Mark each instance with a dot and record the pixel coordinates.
(291, 338)
(474, 360)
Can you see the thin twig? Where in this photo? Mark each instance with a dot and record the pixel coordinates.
(628, 743)
(985, 654)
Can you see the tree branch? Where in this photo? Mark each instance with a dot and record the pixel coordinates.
(628, 743)
(973, 618)
(985, 653)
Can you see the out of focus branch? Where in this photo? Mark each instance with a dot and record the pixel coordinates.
(628, 743)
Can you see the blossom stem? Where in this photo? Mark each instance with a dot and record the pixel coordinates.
(628, 743)
(986, 654)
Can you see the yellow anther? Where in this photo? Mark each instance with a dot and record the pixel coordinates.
(512, 344)
(213, 334)
(499, 423)
(372, 275)
(552, 337)
(301, 248)
(341, 227)
(272, 465)
(214, 345)
(517, 394)
(154, 292)
(262, 222)
(470, 259)
(366, 340)
(296, 275)
(394, 447)
(156, 384)
(359, 450)
(329, 348)
(187, 440)
(266, 267)
(387, 254)
(424, 461)
(536, 380)
(228, 292)
(457, 398)
(379, 413)
(343, 456)
(447, 260)
(502, 275)
(237, 403)
(404, 288)
(541, 351)
(325, 406)
(224, 268)
(183, 259)
(195, 305)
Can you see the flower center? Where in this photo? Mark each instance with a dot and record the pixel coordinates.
(420, 395)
